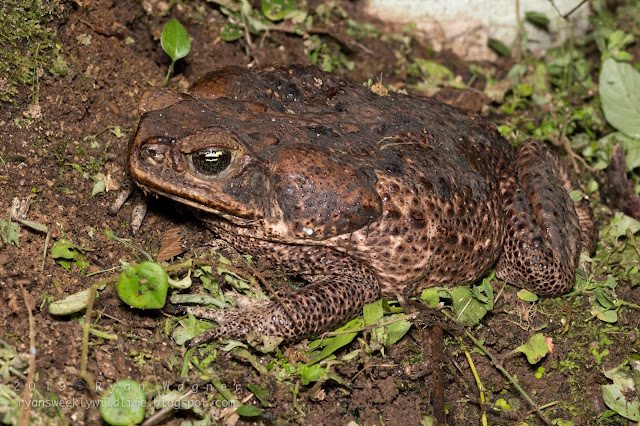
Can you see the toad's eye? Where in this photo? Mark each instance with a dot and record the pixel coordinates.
(211, 161)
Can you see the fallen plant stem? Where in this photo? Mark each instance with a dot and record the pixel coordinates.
(478, 382)
(112, 235)
(246, 356)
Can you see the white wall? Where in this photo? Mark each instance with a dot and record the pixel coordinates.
(465, 25)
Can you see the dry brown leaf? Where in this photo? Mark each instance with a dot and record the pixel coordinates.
(171, 244)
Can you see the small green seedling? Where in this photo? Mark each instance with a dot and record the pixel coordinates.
(175, 42)
(124, 403)
(68, 255)
(144, 286)
(277, 10)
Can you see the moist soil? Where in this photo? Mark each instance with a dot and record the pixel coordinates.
(75, 121)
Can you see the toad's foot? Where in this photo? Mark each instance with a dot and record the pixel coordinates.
(330, 300)
(545, 230)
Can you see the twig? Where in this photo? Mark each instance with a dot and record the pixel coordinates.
(567, 145)
(569, 13)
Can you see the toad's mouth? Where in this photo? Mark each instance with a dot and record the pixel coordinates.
(224, 210)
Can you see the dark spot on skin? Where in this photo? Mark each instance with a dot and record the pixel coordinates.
(443, 187)
(416, 219)
(392, 214)
(393, 169)
(323, 130)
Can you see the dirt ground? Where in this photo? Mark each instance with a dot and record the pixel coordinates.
(75, 124)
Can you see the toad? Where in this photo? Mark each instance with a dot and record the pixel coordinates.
(358, 194)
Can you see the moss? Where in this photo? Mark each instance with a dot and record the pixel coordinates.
(27, 44)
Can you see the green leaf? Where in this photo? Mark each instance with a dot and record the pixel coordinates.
(174, 40)
(536, 348)
(609, 316)
(332, 344)
(524, 90)
(621, 223)
(311, 373)
(67, 254)
(538, 19)
(430, 297)
(261, 394)
(276, 10)
(604, 297)
(63, 249)
(33, 225)
(622, 395)
(246, 410)
(621, 55)
(502, 405)
(231, 32)
(499, 47)
(124, 403)
(468, 309)
(527, 296)
(98, 187)
(372, 312)
(396, 331)
(620, 95)
(143, 286)
(9, 232)
(70, 304)
(576, 196)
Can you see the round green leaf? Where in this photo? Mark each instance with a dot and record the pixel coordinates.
(124, 403)
(276, 10)
(143, 286)
(174, 40)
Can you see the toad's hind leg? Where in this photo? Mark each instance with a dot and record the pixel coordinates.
(545, 230)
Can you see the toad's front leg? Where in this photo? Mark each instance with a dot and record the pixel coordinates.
(330, 300)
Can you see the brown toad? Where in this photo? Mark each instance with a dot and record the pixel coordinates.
(357, 193)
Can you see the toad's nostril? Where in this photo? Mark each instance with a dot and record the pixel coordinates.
(156, 148)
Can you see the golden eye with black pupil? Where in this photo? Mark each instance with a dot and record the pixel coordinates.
(211, 161)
